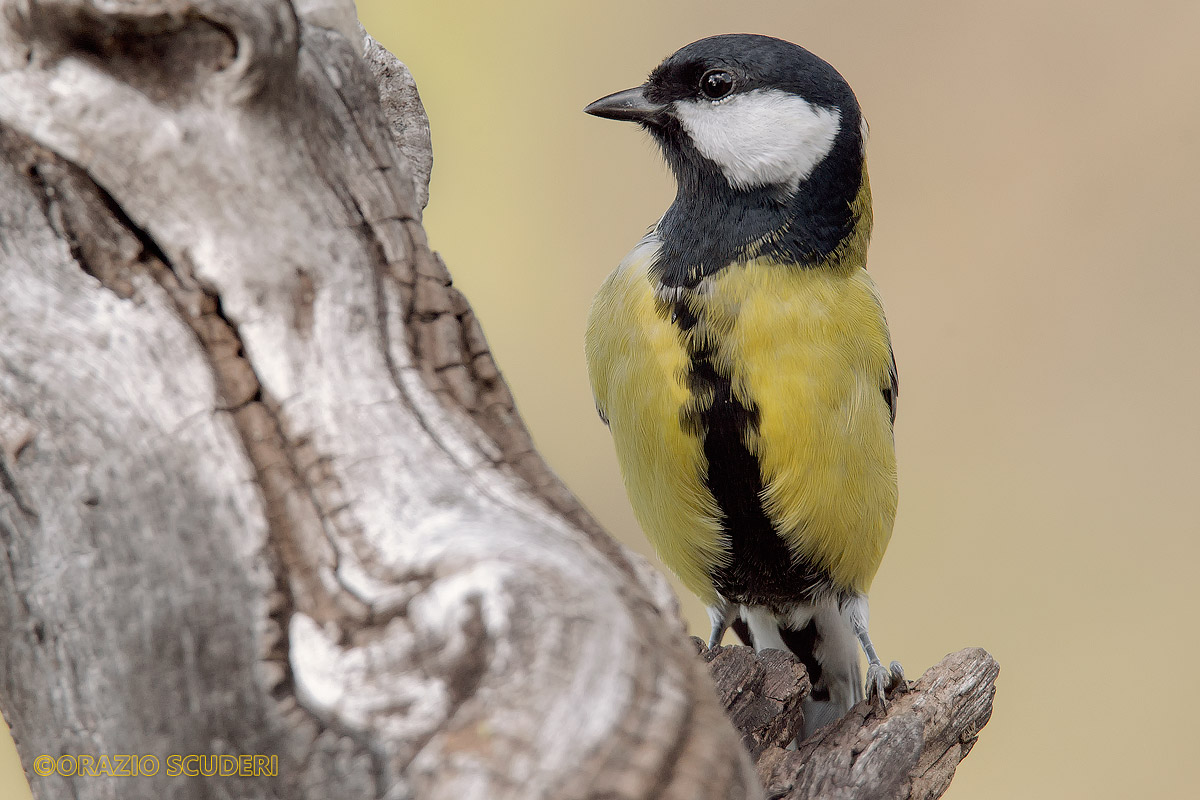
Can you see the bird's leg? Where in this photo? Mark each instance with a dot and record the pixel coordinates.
(880, 681)
(721, 616)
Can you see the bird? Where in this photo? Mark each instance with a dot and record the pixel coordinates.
(741, 359)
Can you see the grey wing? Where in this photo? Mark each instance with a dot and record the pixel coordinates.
(891, 392)
(599, 409)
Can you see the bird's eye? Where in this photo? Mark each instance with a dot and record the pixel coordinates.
(716, 83)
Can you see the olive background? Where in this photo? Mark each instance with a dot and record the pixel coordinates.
(1036, 177)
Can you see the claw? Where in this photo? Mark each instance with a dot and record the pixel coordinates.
(720, 615)
(878, 679)
(898, 683)
(882, 680)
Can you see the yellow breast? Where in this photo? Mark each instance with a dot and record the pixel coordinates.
(637, 365)
(809, 349)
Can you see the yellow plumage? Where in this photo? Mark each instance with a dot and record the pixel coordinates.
(809, 348)
(637, 367)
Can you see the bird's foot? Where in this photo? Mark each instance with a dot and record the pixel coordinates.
(898, 683)
(881, 680)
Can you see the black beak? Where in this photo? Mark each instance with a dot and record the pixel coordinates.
(630, 105)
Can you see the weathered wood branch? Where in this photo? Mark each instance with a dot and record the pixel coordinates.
(262, 487)
(909, 750)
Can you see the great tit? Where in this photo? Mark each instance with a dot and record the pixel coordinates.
(741, 359)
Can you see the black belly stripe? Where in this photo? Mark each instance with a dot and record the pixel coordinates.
(761, 569)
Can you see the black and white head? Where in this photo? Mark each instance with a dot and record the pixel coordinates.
(767, 143)
(761, 112)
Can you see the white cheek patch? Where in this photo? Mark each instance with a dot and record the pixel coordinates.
(765, 137)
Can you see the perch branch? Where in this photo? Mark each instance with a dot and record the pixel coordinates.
(909, 751)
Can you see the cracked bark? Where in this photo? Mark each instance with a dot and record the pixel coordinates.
(911, 750)
(262, 487)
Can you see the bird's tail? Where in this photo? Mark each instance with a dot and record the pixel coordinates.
(829, 652)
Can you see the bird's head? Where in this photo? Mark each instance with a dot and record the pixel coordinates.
(758, 112)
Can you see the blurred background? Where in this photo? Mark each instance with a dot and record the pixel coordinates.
(1036, 176)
